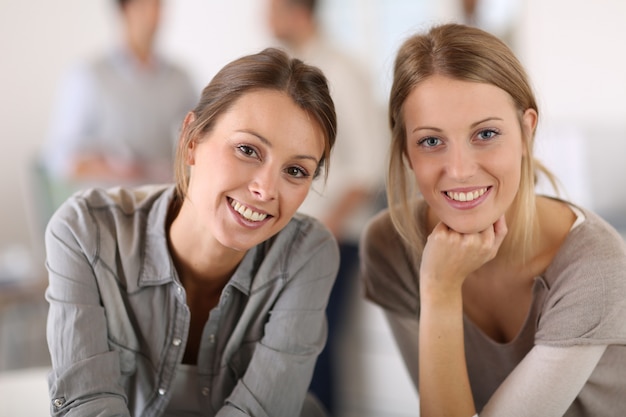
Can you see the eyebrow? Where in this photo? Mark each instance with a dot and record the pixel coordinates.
(473, 125)
(269, 144)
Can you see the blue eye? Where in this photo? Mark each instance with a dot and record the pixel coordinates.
(488, 134)
(429, 142)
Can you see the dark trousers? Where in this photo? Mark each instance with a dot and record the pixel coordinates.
(325, 374)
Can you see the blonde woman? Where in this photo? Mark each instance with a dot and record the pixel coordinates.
(502, 302)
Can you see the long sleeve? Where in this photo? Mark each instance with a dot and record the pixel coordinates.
(85, 380)
(533, 388)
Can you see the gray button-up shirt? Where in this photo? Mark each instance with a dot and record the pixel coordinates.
(118, 319)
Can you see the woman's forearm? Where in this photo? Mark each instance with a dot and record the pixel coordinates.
(444, 387)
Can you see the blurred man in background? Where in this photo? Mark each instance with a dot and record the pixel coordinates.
(117, 116)
(350, 195)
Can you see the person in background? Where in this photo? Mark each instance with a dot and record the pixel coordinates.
(352, 192)
(207, 297)
(116, 116)
(503, 302)
(496, 17)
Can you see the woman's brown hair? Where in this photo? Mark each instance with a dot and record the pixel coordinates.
(269, 69)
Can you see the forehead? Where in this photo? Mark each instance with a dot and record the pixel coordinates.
(442, 98)
(276, 117)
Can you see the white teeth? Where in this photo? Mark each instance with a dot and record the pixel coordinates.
(472, 195)
(247, 213)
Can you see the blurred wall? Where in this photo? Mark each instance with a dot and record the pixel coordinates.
(574, 55)
(570, 47)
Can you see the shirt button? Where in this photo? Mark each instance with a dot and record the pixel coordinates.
(205, 391)
(179, 289)
(58, 402)
(162, 391)
(177, 341)
(212, 338)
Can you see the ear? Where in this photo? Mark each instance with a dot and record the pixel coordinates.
(186, 143)
(529, 124)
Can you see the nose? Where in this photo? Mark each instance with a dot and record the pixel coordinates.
(461, 163)
(264, 184)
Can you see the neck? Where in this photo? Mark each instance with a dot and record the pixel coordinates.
(140, 48)
(299, 41)
(197, 256)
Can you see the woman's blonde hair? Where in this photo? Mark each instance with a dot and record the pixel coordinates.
(470, 54)
(269, 69)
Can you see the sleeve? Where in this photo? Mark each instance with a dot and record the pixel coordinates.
(386, 270)
(586, 301)
(72, 120)
(405, 332)
(536, 388)
(276, 381)
(533, 388)
(85, 376)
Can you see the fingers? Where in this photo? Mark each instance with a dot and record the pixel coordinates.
(500, 229)
(450, 257)
(470, 250)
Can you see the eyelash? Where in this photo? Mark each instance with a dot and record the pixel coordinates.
(493, 132)
(302, 173)
(423, 142)
(250, 152)
(247, 150)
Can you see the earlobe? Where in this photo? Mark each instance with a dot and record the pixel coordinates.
(529, 121)
(529, 124)
(186, 142)
(189, 153)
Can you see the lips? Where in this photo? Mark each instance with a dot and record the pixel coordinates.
(247, 213)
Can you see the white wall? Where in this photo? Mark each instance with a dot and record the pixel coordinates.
(574, 52)
(37, 39)
(571, 48)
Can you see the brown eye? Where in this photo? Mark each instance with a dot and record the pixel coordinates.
(297, 172)
(247, 150)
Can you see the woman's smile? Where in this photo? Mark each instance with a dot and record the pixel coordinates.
(253, 169)
(467, 199)
(248, 213)
(465, 148)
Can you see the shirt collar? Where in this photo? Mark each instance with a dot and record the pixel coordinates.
(157, 266)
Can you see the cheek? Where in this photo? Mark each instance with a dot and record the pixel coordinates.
(297, 197)
(292, 197)
(424, 172)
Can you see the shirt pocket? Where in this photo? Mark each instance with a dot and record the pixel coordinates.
(128, 358)
(240, 361)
